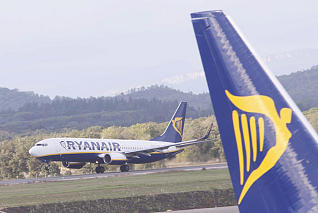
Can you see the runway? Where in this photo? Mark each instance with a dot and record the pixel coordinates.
(228, 209)
(110, 174)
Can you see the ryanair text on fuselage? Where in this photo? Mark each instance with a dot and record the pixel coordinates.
(100, 146)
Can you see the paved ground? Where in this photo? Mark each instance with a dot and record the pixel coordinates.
(111, 174)
(231, 209)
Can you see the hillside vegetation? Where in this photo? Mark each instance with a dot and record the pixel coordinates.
(67, 113)
(198, 101)
(25, 113)
(15, 99)
(302, 86)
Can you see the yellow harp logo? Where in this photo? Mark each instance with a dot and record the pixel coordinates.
(177, 124)
(263, 105)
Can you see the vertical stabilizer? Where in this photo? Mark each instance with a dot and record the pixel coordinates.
(174, 130)
(270, 147)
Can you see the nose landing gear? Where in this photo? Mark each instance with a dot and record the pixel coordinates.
(124, 168)
(47, 166)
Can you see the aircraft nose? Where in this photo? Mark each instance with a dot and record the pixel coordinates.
(31, 151)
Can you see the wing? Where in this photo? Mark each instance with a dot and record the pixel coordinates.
(168, 147)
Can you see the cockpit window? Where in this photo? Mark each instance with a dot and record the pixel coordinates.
(41, 144)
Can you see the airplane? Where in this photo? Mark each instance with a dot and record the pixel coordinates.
(74, 153)
(270, 147)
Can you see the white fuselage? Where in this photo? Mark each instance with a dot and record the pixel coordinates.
(90, 150)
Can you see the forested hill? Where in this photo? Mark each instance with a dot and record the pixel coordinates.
(302, 86)
(14, 99)
(66, 113)
(25, 112)
(164, 93)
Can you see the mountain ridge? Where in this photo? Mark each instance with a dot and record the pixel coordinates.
(152, 104)
(294, 83)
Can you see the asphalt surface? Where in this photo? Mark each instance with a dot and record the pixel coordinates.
(110, 174)
(230, 209)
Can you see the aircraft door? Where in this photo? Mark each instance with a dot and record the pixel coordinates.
(62, 149)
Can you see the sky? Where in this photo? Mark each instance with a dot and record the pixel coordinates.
(80, 48)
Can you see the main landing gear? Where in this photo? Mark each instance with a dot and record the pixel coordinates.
(99, 169)
(124, 168)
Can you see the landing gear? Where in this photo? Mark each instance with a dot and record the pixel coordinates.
(100, 169)
(124, 168)
(47, 167)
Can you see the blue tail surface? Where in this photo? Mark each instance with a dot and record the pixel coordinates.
(271, 149)
(174, 130)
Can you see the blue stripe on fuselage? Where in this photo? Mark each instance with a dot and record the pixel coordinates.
(72, 157)
(93, 157)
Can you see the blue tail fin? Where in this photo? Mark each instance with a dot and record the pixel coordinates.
(174, 130)
(271, 149)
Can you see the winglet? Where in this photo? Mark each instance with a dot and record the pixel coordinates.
(207, 134)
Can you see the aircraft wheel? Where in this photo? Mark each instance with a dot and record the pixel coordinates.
(102, 169)
(97, 170)
(124, 168)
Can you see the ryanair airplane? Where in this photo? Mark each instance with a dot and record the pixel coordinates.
(271, 149)
(74, 153)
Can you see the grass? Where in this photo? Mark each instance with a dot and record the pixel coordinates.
(113, 187)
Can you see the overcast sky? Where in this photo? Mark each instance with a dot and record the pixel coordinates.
(102, 47)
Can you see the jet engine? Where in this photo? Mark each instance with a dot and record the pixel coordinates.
(170, 149)
(115, 158)
(73, 165)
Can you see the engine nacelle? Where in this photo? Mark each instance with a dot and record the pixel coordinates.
(170, 149)
(115, 158)
(73, 165)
